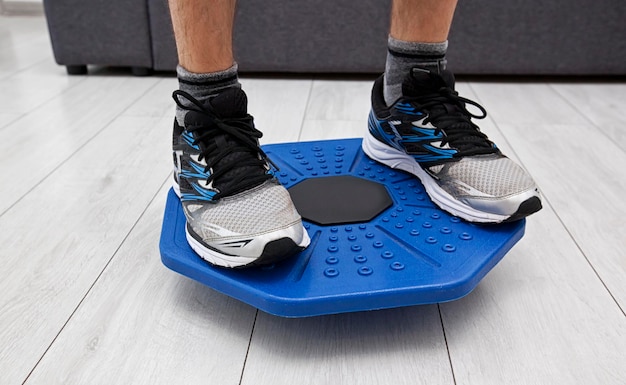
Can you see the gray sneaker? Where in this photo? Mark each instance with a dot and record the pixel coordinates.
(237, 213)
(429, 133)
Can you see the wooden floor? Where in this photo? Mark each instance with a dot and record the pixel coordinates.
(84, 299)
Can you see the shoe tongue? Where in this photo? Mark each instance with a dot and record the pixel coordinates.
(423, 82)
(230, 103)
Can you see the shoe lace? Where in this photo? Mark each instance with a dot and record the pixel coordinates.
(447, 111)
(229, 164)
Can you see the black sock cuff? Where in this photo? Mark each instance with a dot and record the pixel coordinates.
(417, 56)
(208, 82)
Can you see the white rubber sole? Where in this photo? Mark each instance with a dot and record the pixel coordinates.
(249, 250)
(397, 159)
(255, 251)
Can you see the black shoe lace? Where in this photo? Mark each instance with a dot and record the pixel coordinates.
(447, 111)
(230, 164)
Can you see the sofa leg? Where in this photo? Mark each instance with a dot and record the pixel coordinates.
(76, 69)
(140, 71)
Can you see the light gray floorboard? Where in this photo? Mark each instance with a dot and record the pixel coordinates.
(28, 90)
(7, 118)
(541, 316)
(397, 346)
(41, 140)
(143, 324)
(277, 106)
(600, 104)
(339, 100)
(580, 170)
(332, 129)
(58, 238)
(157, 102)
(337, 109)
(24, 42)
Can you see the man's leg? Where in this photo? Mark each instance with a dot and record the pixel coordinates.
(425, 21)
(421, 125)
(204, 34)
(237, 213)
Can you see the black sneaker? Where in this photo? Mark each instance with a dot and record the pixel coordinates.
(429, 133)
(237, 213)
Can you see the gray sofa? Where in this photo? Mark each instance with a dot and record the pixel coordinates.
(494, 37)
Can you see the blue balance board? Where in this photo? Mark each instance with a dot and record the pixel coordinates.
(377, 241)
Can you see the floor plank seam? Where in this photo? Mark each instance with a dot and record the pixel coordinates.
(20, 70)
(595, 271)
(10, 122)
(306, 110)
(245, 360)
(49, 100)
(131, 104)
(445, 339)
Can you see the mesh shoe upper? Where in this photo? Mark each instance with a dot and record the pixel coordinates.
(479, 172)
(430, 125)
(262, 208)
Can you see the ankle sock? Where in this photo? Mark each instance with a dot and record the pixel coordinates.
(404, 55)
(204, 85)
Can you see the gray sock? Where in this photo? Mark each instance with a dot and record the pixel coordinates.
(404, 55)
(203, 85)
